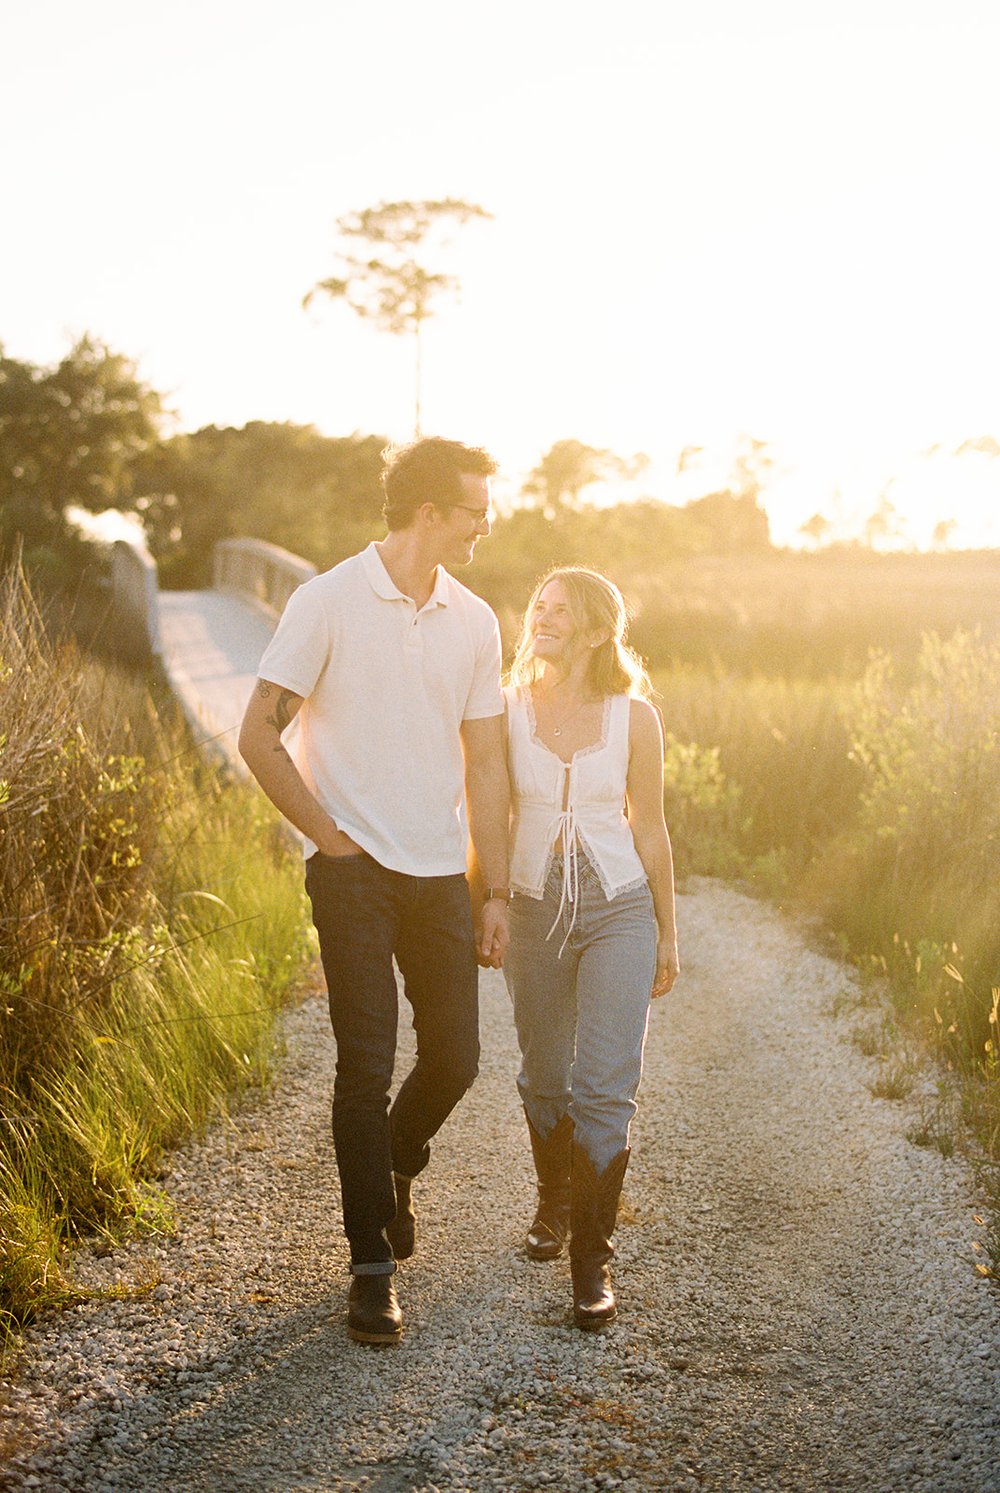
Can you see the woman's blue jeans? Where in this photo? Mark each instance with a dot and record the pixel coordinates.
(581, 1018)
(365, 915)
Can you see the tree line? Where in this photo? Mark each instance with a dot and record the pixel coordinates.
(88, 433)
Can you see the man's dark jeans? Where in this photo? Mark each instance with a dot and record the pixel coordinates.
(364, 915)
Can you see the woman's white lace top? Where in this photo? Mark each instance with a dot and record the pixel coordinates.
(556, 804)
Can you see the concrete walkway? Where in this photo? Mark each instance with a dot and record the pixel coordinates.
(212, 643)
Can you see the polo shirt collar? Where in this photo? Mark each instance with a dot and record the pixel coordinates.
(383, 585)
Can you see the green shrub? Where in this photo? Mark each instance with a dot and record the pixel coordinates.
(916, 880)
(780, 747)
(152, 919)
(702, 808)
(876, 804)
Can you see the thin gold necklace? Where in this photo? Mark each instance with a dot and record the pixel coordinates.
(558, 730)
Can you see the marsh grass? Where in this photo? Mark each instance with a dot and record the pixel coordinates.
(874, 804)
(913, 880)
(759, 776)
(894, 1081)
(991, 1186)
(151, 922)
(940, 1121)
(751, 612)
(798, 616)
(872, 1038)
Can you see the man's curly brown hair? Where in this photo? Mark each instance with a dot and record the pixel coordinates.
(428, 471)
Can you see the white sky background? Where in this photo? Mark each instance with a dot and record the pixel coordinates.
(778, 218)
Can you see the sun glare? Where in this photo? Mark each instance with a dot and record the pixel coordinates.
(742, 220)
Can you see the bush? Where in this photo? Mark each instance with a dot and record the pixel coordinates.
(702, 808)
(876, 804)
(78, 821)
(916, 880)
(151, 919)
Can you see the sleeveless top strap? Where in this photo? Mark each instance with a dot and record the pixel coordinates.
(520, 706)
(517, 715)
(618, 724)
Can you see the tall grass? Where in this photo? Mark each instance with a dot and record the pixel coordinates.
(875, 803)
(807, 616)
(916, 880)
(759, 776)
(771, 613)
(151, 920)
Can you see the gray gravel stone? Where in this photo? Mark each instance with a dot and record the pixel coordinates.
(798, 1304)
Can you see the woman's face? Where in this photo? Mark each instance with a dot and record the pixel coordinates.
(556, 637)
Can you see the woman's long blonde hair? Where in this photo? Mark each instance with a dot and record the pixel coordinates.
(597, 605)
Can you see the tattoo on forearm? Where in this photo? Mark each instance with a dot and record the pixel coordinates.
(282, 714)
(263, 689)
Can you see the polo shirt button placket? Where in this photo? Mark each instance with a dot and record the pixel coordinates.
(412, 643)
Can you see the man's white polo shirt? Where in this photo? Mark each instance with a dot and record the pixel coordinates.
(386, 688)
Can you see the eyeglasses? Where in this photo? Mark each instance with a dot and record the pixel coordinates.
(481, 515)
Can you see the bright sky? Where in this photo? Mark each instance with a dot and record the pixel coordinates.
(711, 218)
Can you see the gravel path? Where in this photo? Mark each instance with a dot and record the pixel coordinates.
(799, 1308)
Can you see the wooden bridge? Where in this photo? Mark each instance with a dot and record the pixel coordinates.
(210, 642)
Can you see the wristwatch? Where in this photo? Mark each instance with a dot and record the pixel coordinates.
(498, 894)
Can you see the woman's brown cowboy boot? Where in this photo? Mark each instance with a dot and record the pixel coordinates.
(593, 1210)
(547, 1234)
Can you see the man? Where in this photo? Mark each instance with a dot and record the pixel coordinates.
(392, 668)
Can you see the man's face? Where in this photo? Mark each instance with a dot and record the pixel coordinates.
(466, 521)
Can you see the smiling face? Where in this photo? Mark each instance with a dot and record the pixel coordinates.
(574, 627)
(556, 636)
(465, 521)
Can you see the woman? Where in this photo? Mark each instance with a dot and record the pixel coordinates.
(592, 917)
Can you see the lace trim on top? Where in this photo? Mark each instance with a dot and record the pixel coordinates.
(565, 834)
(630, 886)
(595, 746)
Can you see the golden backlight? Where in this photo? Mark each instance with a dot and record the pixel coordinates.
(709, 220)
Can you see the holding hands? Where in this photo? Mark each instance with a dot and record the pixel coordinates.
(492, 935)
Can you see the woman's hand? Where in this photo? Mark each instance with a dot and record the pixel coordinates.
(492, 934)
(668, 966)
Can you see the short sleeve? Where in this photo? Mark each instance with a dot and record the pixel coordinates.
(298, 652)
(485, 697)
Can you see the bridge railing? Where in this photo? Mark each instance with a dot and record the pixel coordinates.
(135, 592)
(257, 572)
(260, 572)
